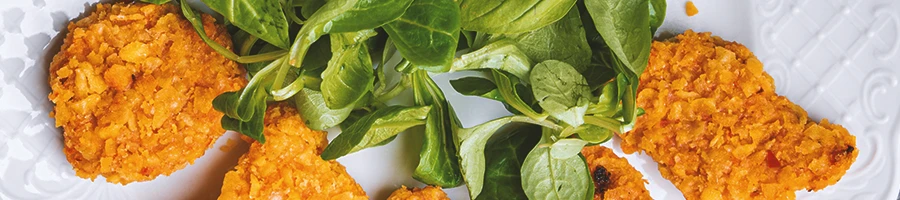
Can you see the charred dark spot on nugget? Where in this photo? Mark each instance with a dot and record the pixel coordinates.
(601, 180)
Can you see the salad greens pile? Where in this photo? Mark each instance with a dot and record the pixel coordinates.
(567, 69)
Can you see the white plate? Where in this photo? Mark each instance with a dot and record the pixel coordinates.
(836, 58)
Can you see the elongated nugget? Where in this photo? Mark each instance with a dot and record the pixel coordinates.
(718, 130)
(133, 86)
(288, 165)
(614, 178)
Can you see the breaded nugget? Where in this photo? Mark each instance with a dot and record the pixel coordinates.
(613, 177)
(426, 193)
(133, 86)
(288, 165)
(718, 130)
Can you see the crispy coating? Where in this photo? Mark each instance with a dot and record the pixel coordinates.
(624, 181)
(288, 165)
(426, 193)
(718, 130)
(133, 86)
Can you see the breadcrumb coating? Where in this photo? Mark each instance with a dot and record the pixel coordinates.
(624, 181)
(717, 129)
(288, 165)
(426, 193)
(133, 86)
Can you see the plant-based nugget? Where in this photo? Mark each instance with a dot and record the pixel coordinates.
(288, 165)
(133, 86)
(613, 177)
(717, 129)
(426, 193)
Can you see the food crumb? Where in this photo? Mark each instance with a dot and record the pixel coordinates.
(229, 145)
(690, 9)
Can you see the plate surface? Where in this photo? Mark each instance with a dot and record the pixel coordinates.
(836, 58)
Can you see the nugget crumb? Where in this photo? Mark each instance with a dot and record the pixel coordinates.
(426, 193)
(133, 86)
(288, 165)
(717, 129)
(690, 9)
(622, 181)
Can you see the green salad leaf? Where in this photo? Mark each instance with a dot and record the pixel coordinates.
(427, 34)
(625, 27)
(501, 55)
(503, 157)
(318, 116)
(438, 161)
(498, 16)
(260, 18)
(471, 144)
(562, 40)
(546, 177)
(350, 73)
(561, 91)
(374, 129)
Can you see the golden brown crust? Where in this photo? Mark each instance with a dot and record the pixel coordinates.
(625, 181)
(133, 86)
(288, 165)
(426, 193)
(718, 130)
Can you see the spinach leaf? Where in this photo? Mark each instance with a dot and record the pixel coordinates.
(504, 156)
(471, 144)
(608, 102)
(242, 105)
(545, 177)
(657, 14)
(253, 127)
(625, 26)
(197, 23)
(502, 55)
(438, 162)
(593, 134)
(350, 74)
(605, 122)
(261, 18)
(566, 148)
(507, 87)
(157, 2)
(427, 34)
(375, 128)
(339, 16)
(562, 40)
(477, 86)
(354, 116)
(561, 91)
(318, 116)
(310, 7)
(499, 16)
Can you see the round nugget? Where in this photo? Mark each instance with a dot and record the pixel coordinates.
(718, 130)
(426, 193)
(133, 86)
(288, 165)
(613, 177)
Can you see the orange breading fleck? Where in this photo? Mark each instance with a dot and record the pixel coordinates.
(716, 128)
(288, 165)
(624, 181)
(690, 9)
(426, 193)
(133, 86)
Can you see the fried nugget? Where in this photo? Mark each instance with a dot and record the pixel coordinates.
(613, 177)
(426, 193)
(133, 86)
(718, 130)
(288, 165)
